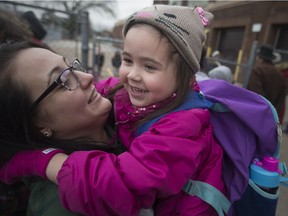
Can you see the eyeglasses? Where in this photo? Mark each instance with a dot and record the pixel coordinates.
(67, 79)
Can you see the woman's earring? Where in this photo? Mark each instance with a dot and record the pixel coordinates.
(47, 134)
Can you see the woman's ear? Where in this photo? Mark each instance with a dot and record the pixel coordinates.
(46, 132)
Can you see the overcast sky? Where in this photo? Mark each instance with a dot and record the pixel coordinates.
(99, 21)
(125, 8)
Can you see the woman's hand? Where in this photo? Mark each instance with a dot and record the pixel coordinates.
(27, 163)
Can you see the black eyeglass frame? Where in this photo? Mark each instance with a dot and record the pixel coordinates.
(58, 82)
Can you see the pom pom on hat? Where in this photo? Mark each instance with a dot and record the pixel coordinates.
(183, 26)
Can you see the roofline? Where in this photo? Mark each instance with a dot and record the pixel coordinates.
(220, 5)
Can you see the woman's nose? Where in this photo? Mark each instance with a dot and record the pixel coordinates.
(85, 79)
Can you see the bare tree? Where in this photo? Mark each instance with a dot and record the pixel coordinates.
(73, 10)
(76, 7)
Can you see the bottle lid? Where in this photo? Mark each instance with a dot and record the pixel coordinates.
(270, 164)
(263, 177)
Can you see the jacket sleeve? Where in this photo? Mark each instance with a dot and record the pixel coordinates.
(158, 164)
(255, 83)
(280, 101)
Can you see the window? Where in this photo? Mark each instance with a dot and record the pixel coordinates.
(281, 42)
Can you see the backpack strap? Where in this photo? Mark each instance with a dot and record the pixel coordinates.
(204, 191)
(283, 181)
(209, 194)
(219, 108)
(193, 100)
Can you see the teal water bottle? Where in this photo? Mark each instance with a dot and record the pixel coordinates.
(266, 174)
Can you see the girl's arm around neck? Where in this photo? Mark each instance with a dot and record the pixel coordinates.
(54, 166)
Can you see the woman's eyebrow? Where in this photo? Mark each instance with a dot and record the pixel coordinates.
(66, 61)
(57, 69)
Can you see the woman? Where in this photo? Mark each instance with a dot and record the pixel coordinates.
(32, 121)
(14, 198)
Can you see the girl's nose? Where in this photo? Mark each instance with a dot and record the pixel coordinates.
(134, 74)
(85, 79)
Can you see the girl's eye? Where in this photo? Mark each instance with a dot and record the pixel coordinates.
(127, 60)
(150, 67)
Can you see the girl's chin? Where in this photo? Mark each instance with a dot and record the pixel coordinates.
(137, 100)
(138, 103)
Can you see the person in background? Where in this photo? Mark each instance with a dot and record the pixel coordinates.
(213, 61)
(36, 27)
(25, 27)
(282, 66)
(116, 62)
(13, 28)
(221, 72)
(216, 55)
(99, 61)
(266, 80)
(157, 74)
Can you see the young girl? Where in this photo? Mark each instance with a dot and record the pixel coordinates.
(161, 54)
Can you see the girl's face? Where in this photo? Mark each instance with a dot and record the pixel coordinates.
(68, 114)
(147, 70)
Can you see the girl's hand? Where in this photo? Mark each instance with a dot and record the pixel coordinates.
(27, 163)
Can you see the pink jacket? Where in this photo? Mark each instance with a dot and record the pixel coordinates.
(153, 170)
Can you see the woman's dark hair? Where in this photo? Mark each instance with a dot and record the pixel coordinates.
(18, 130)
(184, 75)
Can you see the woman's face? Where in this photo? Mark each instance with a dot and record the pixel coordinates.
(68, 114)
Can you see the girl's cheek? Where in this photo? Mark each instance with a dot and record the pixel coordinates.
(122, 74)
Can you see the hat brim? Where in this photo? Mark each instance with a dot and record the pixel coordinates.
(271, 58)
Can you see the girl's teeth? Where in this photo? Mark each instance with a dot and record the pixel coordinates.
(138, 90)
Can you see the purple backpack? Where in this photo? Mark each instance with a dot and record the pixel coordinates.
(247, 127)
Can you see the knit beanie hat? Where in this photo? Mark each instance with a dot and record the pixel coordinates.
(183, 26)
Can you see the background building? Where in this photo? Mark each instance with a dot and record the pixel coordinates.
(238, 28)
(239, 24)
